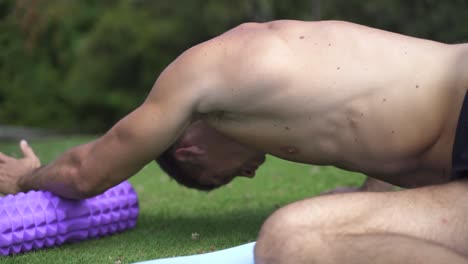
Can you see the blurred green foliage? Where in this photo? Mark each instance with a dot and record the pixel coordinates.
(82, 65)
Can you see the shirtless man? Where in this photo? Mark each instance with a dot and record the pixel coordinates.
(323, 93)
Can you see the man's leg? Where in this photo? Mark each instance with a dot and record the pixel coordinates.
(374, 185)
(369, 185)
(359, 249)
(425, 224)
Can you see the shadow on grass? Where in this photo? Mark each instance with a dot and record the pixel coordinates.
(239, 221)
(172, 234)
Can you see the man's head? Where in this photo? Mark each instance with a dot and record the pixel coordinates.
(205, 159)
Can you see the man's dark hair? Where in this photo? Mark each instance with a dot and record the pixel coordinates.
(171, 167)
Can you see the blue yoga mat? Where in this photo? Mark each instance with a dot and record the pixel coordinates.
(237, 255)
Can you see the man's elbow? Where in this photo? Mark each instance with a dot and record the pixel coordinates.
(84, 186)
(85, 191)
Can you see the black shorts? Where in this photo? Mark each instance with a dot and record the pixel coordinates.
(460, 146)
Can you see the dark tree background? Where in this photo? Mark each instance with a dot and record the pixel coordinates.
(82, 65)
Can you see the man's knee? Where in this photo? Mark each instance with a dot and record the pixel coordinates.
(273, 235)
(284, 234)
(310, 224)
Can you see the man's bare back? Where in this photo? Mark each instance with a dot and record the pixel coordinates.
(335, 93)
(325, 93)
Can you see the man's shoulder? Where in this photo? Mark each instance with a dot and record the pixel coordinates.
(230, 67)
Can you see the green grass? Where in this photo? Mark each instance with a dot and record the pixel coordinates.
(170, 214)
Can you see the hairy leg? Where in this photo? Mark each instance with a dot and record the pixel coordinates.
(360, 249)
(430, 221)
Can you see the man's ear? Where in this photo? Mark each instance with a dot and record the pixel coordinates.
(189, 153)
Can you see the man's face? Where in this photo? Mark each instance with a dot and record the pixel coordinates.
(220, 159)
(220, 166)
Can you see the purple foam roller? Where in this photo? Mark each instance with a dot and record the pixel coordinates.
(40, 219)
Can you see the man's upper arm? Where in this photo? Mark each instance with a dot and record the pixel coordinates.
(126, 148)
(141, 136)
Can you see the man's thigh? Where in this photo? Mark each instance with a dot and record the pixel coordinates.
(437, 213)
(357, 249)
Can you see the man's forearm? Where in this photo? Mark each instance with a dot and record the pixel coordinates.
(60, 177)
(47, 178)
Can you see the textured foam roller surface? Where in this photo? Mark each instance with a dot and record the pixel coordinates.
(40, 219)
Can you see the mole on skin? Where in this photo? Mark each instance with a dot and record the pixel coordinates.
(289, 150)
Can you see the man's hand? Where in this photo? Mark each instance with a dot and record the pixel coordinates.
(11, 169)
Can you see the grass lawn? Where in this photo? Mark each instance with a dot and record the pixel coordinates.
(170, 214)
